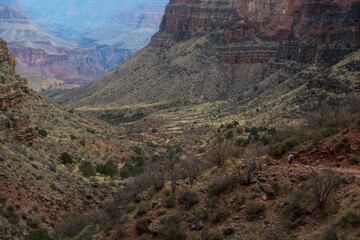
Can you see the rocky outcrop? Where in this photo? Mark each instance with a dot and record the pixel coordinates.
(238, 21)
(323, 32)
(72, 66)
(11, 95)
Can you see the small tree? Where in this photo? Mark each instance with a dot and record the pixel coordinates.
(322, 186)
(66, 158)
(87, 169)
(107, 169)
(220, 153)
(37, 235)
(245, 172)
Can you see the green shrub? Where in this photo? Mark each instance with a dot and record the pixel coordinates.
(280, 148)
(275, 186)
(201, 150)
(142, 209)
(65, 158)
(272, 131)
(153, 130)
(202, 215)
(330, 128)
(82, 143)
(53, 186)
(344, 143)
(37, 235)
(354, 161)
(239, 130)
(229, 135)
(72, 137)
(254, 131)
(107, 169)
(254, 210)
(265, 140)
(350, 220)
(42, 132)
(87, 169)
(169, 202)
(10, 215)
(214, 202)
(26, 90)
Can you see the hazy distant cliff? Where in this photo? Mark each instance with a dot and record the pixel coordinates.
(214, 50)
(42, 52)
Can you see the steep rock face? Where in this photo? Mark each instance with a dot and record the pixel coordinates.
(215, 50)
(45, 53)
(237, 21)
(11, 86)
(323, 32)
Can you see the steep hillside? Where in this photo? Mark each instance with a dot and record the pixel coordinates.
(38, 82)
(44, 149)
(255, 54)
(42, 52)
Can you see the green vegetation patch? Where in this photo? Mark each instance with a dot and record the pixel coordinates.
(120, 118)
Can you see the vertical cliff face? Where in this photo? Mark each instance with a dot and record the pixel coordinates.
(208, 50)
(237, 22)
(11, 96)
(323, 32)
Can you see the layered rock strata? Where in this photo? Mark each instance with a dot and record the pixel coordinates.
(11, 97)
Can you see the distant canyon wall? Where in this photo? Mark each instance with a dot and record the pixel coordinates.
(283, 28)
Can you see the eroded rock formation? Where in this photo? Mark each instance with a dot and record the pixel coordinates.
(254, 29)
(11, 96)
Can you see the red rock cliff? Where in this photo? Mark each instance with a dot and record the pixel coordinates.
(236, 21)
(11, 95)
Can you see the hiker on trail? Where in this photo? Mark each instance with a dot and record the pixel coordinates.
(290, 158)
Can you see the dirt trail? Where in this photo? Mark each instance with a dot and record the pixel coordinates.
(352, 171)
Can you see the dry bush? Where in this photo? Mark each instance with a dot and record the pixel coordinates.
(322, 185)
(246, 171)
(188, 198)
(221, 185)
(191, 169)
(220, 153)
(72, 226)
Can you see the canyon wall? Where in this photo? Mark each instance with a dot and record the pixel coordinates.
(250, 31)
(42, 52)
(11, 96)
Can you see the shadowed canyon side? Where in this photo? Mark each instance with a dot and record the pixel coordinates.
(41, 52)
(11, 95)
(213, 50)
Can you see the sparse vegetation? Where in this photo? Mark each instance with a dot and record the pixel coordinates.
(254, 210)
(42, 133)
(65, 158)
(107, 169)
(37, 235)
(87, 169)
(188, 198)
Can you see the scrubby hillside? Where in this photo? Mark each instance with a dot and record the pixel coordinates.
(53, 162)
(213, 51)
